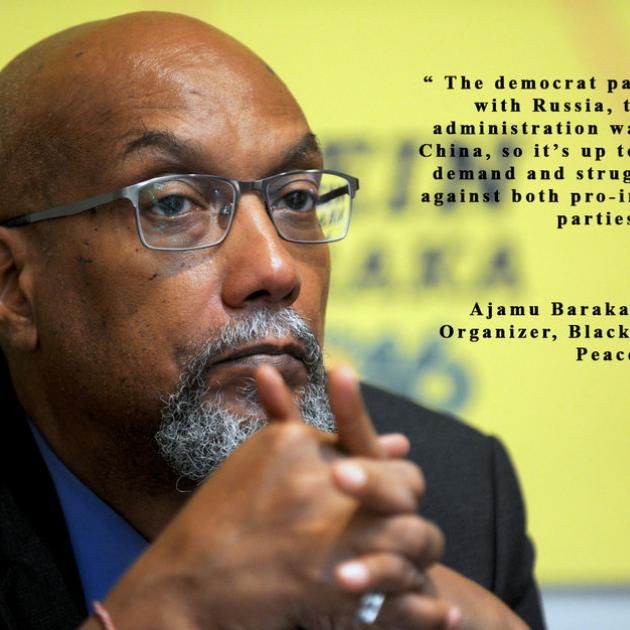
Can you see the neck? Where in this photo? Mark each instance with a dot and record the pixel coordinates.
(120, 465)
(138, 485)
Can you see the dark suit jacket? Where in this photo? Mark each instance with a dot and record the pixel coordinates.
(472, 493)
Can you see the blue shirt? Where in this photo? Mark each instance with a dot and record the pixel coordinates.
(104, 543)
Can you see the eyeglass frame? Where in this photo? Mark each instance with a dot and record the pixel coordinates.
(132, 193)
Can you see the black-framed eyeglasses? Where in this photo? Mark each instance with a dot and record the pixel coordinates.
(184, 212)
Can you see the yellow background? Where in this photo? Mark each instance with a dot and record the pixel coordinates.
(357, 68)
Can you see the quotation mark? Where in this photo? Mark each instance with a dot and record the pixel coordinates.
(428, 79)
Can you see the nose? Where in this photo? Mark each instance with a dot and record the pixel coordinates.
(257, 264)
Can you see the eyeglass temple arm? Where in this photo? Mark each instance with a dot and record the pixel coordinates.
(66, 210)
(337, 192)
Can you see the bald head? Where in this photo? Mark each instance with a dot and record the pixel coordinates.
(62, 101)
(199, 254)
(96, 328)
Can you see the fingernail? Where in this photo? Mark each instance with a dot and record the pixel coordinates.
(351, 475)
(453, 618)
(348, 373)
(354, 574)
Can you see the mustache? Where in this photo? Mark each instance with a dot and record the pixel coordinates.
(259, 326)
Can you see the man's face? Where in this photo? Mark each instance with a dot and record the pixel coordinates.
(116, 321)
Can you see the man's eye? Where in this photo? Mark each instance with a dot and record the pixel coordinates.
(299, 200)
(172, 205)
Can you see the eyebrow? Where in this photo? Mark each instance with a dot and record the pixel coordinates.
(306, 150)
(160, 139)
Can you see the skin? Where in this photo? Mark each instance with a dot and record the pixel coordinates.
(102, 307)
(96, 329)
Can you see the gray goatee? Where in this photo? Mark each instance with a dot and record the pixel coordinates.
(197, 432)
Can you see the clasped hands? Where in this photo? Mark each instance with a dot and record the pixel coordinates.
(293, 528)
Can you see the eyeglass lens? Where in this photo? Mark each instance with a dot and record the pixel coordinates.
(185, 212)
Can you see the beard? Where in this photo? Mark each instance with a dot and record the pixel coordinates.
(198, 431)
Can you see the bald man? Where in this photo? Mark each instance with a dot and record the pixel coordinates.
(173, 449)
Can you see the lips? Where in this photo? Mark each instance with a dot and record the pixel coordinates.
(286, 357)
(264, 349)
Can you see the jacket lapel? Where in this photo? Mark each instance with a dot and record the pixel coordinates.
(40, 587)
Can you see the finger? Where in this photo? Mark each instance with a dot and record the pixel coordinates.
(384, 572)
(414, 611)
(357, 435)
(385, 486)
(408, 535)
(274, 394)
(394, 445)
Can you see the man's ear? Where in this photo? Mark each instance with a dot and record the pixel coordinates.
(17, 323)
